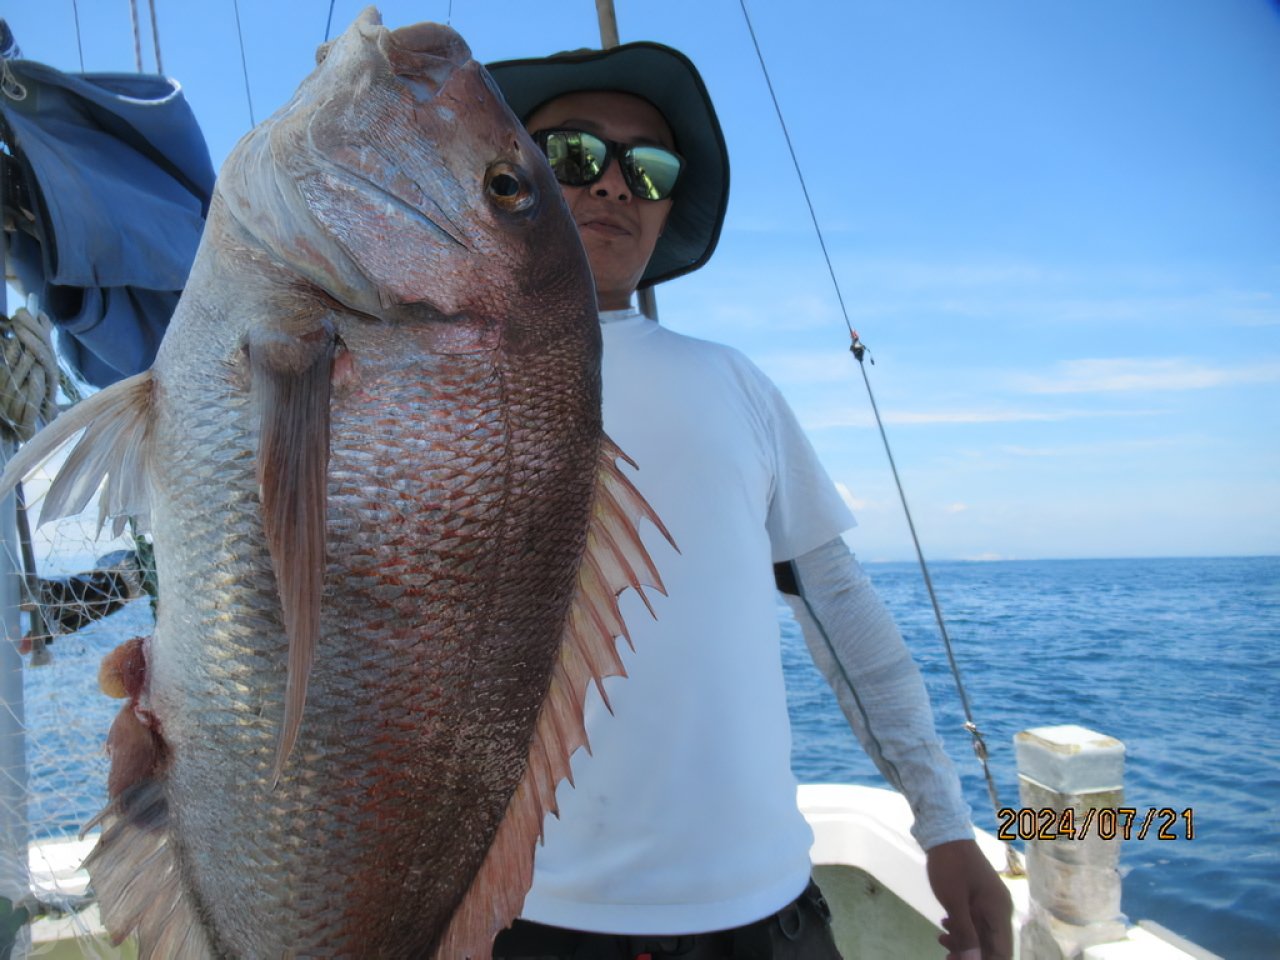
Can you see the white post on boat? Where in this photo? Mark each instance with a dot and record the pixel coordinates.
(1073, 871)
(14, 878)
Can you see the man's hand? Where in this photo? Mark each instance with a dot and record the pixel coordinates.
(979, 911)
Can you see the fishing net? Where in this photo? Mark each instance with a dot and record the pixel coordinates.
(69, 599)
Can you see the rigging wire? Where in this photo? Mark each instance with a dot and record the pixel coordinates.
(155, 36)
(75, 12)
(858, 350)
(137, 34)
(328, 24)
(244, 64)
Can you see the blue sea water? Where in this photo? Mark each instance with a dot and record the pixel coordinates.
(1178, 658)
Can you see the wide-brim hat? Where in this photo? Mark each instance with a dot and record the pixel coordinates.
(668, 80)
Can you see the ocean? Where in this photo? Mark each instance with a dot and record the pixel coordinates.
(1178, 658)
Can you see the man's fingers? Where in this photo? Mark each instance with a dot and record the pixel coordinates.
(960, 940)
(976, 901)
(996, 935)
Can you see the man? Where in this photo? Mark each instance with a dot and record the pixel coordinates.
(681, 836)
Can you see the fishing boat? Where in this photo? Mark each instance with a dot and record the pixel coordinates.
(870, 868)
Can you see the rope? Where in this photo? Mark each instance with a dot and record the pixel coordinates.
(137, 34)
(75, 10)
(10, 85)
(328, 24)
(1013, 866)
(796, 163)
(858, 350)
(244, 64)
(29, 382)
(155, 36)
(28, 394)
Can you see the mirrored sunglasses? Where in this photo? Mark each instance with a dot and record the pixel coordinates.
(579, 158)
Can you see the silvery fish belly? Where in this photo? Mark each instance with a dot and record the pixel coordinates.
(389, 530)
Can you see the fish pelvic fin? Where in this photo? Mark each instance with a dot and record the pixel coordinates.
(133, 867)
(110, 456)
(614, 559)
(292, 385)
(135, 874)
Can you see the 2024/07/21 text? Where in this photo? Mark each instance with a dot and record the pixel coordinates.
(1105, 823)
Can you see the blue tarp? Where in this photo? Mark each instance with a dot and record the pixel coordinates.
(111, 185)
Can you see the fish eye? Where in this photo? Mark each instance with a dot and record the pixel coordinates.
(509, 189)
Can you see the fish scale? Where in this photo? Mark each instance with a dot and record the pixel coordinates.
(385, 661)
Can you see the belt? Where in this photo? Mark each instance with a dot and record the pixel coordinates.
(532, 941)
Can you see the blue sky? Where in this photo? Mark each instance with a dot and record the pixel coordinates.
(1056, 226)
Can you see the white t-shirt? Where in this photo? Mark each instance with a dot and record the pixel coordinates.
(684, 815)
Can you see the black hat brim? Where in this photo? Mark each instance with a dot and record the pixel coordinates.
(667, 79)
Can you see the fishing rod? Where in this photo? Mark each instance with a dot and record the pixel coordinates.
(860, 351)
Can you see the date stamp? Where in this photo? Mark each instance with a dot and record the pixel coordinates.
(1105, 823)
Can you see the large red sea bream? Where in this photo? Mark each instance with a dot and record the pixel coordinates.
(388, 527)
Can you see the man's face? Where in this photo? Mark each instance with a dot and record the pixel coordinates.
(618, 230)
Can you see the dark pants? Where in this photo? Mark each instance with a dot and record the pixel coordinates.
(799, 931)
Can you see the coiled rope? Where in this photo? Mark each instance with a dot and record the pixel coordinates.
(28, 398)
(29, 382)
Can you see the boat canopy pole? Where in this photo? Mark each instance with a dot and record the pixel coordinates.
(608, 18)
(859, 351)
(608, 24)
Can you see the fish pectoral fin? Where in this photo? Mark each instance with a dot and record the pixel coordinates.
(113, 449)
(134, 872)
(292, 386)
(614, 559)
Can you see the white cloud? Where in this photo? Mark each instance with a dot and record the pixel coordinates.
(853, 503)
(807, 368)
(956, 507)
(1080, 451)
(849, 417)
(1128, 374)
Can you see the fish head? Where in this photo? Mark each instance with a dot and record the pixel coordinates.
(398, 182)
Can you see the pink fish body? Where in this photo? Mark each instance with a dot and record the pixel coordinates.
(389, 529)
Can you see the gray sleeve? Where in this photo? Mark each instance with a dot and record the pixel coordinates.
(858, 648)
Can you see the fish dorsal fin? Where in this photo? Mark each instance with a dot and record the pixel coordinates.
(292, 387)
(113, 449)
(614, 559)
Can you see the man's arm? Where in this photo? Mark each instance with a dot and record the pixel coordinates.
(857, 646)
